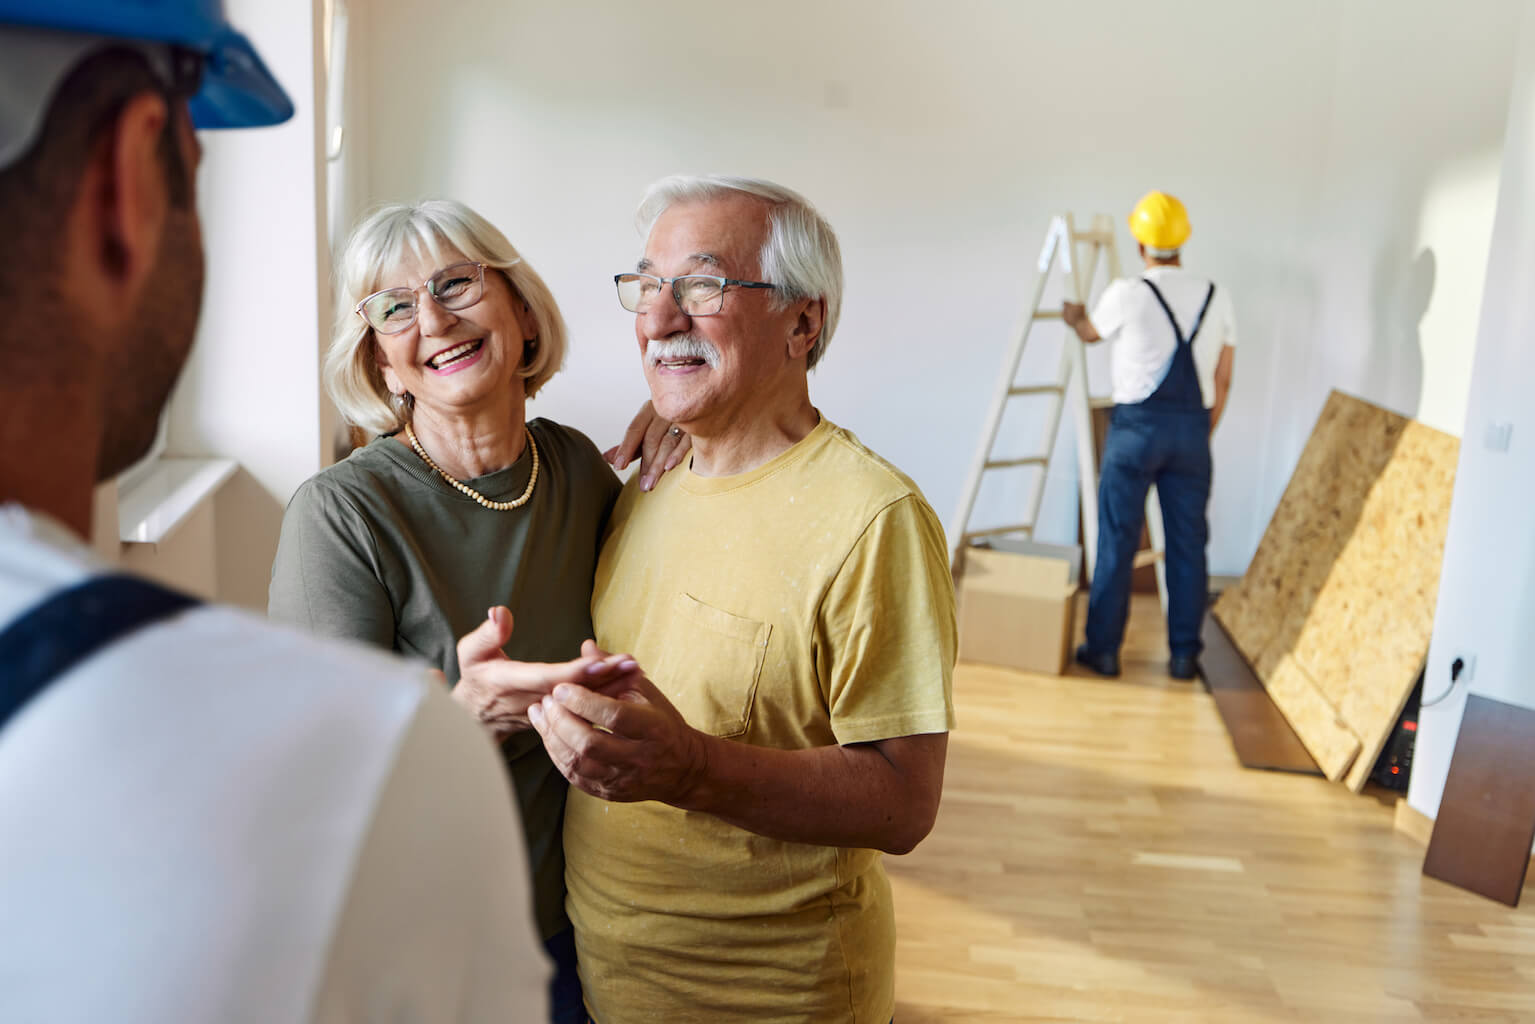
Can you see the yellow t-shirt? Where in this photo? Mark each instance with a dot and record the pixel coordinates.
(804, 603)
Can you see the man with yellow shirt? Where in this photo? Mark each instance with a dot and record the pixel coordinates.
(787, 593)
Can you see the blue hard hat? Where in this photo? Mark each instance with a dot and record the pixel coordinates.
(237, 89)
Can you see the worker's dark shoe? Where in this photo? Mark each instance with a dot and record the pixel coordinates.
(1105, 663)
(1183, 666)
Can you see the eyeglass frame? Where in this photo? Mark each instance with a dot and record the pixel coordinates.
(480, 267)
(187, 68)
(723, 282)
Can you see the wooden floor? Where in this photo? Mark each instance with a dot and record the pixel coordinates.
(1101, 856)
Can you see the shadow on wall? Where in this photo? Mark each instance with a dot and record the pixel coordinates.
(1401, 297)
(1386, 370)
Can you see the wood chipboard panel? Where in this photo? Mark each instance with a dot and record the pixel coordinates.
(1486, 822)
(1335, 612)
(1327, 737)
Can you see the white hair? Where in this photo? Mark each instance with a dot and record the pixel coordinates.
(800, 255)
(383, 240)
(1162, 254)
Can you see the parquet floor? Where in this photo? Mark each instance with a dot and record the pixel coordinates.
(1101, 856)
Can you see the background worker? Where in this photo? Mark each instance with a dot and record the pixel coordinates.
(1172, 372)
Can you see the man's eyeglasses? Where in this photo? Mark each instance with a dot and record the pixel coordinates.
(695, 294)
(186, 72)
(394, 309)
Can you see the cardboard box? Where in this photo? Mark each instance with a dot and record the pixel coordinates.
(1017, 604)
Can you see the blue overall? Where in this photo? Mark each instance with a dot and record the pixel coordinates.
(71, 625)
(1164, 440)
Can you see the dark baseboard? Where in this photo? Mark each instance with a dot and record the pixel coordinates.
(1259, 732)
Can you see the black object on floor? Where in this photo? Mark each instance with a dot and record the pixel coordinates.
(1183, 666)
(1105, 663)
(1394, 766)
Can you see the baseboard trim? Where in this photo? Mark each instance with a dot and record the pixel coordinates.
(1412, 822)
(1220, 583)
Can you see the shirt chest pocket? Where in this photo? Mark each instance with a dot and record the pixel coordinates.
(712, 662)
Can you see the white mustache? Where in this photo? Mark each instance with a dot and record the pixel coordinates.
(685, 346)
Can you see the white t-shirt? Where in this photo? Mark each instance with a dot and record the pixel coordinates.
(217, 819)
(1129, 315)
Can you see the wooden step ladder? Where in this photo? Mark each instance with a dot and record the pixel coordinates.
(1068, 390)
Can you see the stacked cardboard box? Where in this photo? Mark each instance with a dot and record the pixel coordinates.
(1016, 605)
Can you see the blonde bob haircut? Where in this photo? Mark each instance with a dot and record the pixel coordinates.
(429, 232)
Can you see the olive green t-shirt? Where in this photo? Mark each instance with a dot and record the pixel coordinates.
(378, 548)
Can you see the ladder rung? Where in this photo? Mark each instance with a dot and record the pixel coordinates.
(1076, 255)
(997, 531)
(1145, 558)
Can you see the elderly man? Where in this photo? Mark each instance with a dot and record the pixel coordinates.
(205, 817)
(788, 595)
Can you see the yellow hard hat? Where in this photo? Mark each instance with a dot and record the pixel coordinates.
(1159, 221)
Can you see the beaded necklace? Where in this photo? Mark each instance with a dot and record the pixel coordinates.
(465, 489)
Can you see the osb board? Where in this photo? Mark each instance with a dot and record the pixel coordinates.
(1335, 611)
(1328, 739)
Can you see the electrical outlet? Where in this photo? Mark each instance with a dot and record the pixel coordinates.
(1462, 667)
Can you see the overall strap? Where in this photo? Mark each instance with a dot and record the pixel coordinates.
(1199, 321)
(71, 625)
(1177, 331)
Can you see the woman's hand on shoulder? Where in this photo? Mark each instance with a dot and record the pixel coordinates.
(657, 443)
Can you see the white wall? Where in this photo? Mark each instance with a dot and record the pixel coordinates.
(251, 389)
(1341, 161)
(1487, 590)
(1322, 148)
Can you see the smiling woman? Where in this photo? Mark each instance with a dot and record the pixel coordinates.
(458, 504)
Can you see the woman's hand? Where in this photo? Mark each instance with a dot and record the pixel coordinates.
(498, 690)
(617, 737)
(659, 445)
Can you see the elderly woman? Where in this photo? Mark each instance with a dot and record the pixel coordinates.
(460, 504)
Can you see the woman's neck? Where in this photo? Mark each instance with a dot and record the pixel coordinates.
(471, 445)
